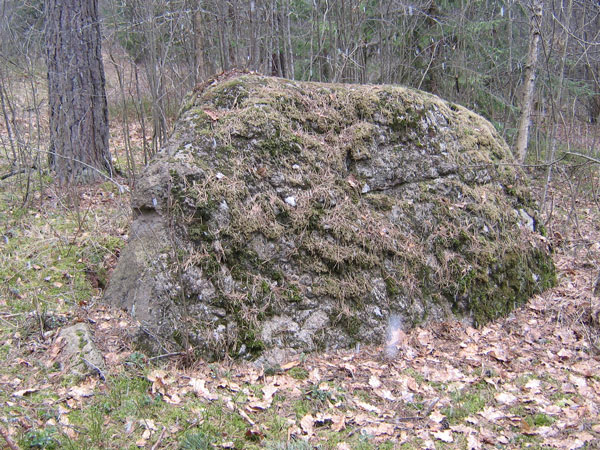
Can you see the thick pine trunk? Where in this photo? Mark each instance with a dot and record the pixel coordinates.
(76, 93)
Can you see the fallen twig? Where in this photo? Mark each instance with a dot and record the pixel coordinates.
(166, 355)
(160, 438)
(12, 174)
(11, 444)
(581, 155)
(241, 412)
(422, 415)
(430, 407)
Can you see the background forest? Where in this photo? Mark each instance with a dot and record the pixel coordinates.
(471, 52)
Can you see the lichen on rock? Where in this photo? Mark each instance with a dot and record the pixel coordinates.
(79, 352)
(293, 216)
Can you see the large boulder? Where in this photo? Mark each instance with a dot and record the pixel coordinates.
(289, 216)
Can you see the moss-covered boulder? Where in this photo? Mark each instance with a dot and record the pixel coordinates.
(287, 216)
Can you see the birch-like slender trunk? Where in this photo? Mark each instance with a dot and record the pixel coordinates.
(535, 25)
(557, 106)
(199, 45)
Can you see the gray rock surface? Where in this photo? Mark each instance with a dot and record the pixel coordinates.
(79, 351)
(287, 217)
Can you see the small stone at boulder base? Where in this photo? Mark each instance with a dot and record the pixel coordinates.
(80, 352)
(306, 215)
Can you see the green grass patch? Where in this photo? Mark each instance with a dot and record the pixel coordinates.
(539, 420)
(469, 400)
(196, 440)
(284, 445)
(46, 438)
(299, 373)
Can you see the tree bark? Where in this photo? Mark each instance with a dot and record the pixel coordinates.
(529, 82)
(79, 149)
(199, 45)
(557, 102)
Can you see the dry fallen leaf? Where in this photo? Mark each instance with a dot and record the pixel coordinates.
(289, 365)
(533, 385)
(268, 391)
(411, 383)
(503, 439)
(173, 399)
(314, 375)
(427, 442)
(473, 442)
(585, 436)
(212, 114)
(361, 419)
(579, 382)
(322, 420)
(158, 378)
(85, 389)
(78, 392)
(374, 382)
(366, 406)
(352, 181)
(55, 350)
(545, 431)
(198, 385)
(445, 436)
(24, 392)
(492, 414)
(424, 337)
(552, 410)
(565, 353)
(385, 394)
(228, 384)
(380, 429)
(460, 428)
(505, 398)
(339, 422)
(148, 424)
(307, 423)
(586, 368)
(157, 374)
(499, 354)
(258, 405)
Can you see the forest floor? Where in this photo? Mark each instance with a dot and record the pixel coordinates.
(530, 380)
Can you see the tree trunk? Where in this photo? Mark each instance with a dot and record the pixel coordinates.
(199, 45)
(557, 101)
(529, 82)
(76, 94)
